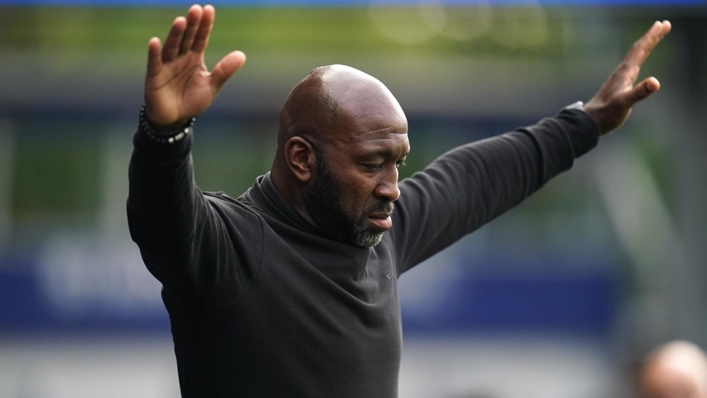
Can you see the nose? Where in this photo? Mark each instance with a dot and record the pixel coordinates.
(387, 187)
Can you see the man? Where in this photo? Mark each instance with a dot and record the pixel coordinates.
(291, 289)
(677, 369)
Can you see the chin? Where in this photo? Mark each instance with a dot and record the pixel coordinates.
(367, 238)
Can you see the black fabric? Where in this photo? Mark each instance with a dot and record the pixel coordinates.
(263, 305)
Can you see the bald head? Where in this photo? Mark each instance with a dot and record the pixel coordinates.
(332, 98)
(676, 369)
(342, 138)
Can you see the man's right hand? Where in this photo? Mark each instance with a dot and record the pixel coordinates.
(178, 85)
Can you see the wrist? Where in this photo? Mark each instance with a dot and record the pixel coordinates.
(167, 134)
(161, 126)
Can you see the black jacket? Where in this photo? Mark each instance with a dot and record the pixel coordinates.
(263, 305)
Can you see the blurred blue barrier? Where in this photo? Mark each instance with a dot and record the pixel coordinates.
(57, 298)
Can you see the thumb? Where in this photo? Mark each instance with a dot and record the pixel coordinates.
(226, 68)
(642, 91)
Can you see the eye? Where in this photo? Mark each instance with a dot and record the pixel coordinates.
(400, 164)
(373, 167)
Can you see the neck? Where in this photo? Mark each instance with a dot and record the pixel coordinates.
(292, 193)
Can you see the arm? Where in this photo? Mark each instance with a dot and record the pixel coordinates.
(473, 184)
(187, 240)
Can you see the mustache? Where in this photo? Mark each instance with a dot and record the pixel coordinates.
(382, 206)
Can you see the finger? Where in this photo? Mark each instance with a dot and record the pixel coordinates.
(202, 35)
(642, 48)
(642, 91)
(154, 57)
(622, 79)
(226, 68)
(171, 44)
(193, 21)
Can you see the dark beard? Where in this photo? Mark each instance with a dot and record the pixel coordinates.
(323, 201)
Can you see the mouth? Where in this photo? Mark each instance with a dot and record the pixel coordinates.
(381, 220)
(383, 224)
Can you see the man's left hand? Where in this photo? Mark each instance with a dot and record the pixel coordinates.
(611, 106)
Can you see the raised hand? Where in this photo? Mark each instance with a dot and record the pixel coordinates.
(178, 85)
(611, 105)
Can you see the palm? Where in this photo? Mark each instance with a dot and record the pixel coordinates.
(178, 85)
(181, 90)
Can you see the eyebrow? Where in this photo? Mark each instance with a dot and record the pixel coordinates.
(383, 153)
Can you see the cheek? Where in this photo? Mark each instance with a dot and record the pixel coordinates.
(357, 195)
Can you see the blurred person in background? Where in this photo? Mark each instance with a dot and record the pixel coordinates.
(291, 289)
(677, 369)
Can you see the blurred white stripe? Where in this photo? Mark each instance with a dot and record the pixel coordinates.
(665, 297)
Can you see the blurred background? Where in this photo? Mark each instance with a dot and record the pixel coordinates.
(561, 297)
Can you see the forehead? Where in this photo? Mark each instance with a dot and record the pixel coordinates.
(382, 143)
(372, 130)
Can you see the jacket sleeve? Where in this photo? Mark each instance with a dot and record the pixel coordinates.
(473, 184)
(191, 242)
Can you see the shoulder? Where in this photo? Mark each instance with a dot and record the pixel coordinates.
(240, 210)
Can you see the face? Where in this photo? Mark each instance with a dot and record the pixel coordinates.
(352, 193)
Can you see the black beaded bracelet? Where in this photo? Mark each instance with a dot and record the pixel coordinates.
(170, 138)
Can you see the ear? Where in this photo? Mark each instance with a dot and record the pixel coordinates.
(300, 158)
